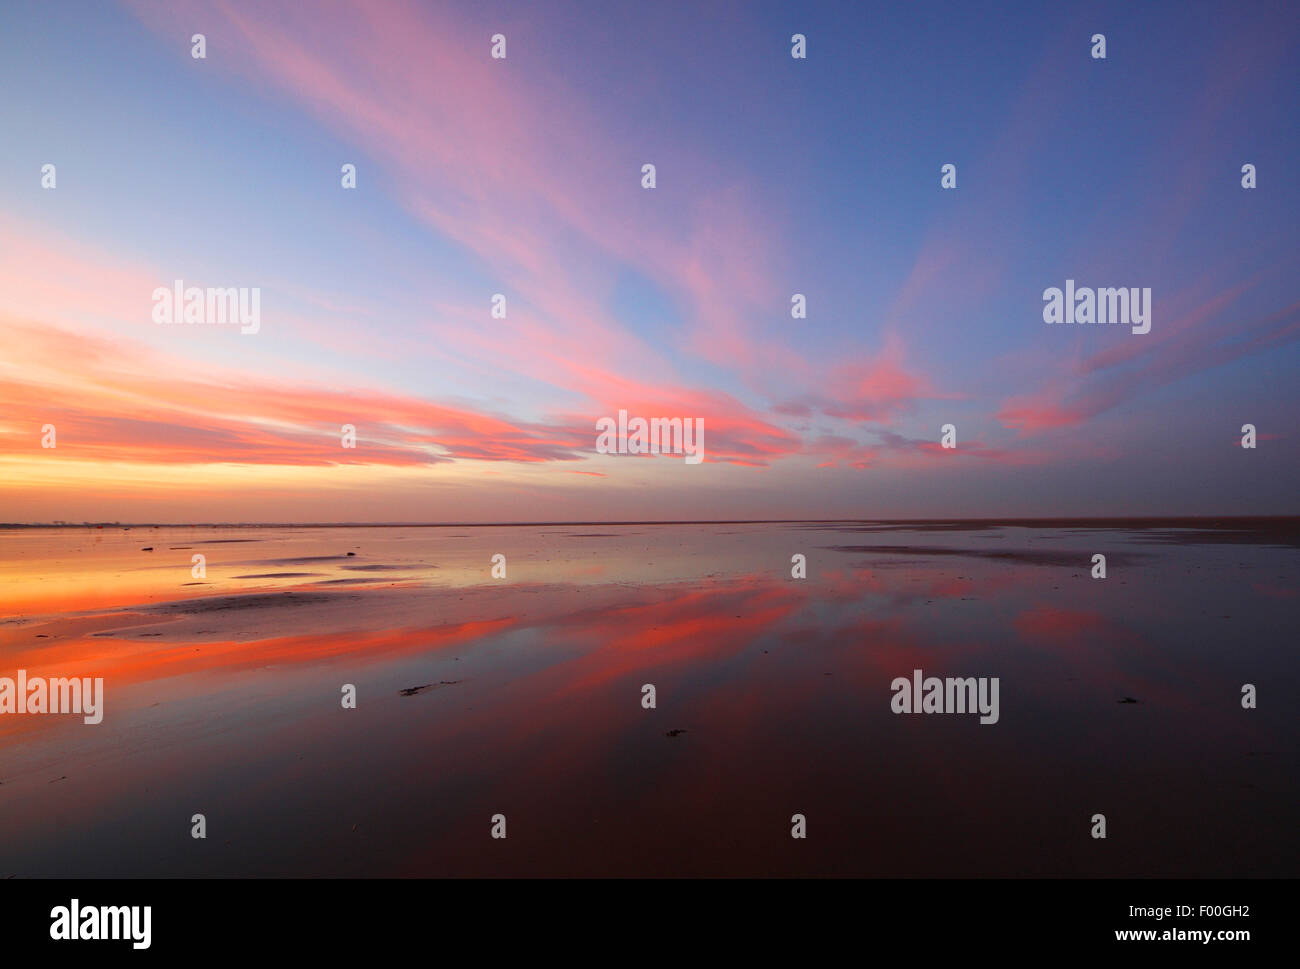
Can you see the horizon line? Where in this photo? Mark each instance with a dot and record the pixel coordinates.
(1043, 519)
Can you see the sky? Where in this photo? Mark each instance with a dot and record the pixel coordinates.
(523, 176)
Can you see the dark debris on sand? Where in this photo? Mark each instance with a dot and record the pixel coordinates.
(424, 687)
(675, 732)
(241, 601)
(1025, 556)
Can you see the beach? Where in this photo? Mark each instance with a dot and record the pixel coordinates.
(521, 695)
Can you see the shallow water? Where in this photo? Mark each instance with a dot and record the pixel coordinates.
(522, 696)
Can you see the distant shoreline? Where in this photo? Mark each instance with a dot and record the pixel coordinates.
(1198, 521)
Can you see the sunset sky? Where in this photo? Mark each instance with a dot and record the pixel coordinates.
(522, 176)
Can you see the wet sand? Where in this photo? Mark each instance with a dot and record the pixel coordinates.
(522, 696)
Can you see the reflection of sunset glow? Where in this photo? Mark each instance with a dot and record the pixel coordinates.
(476, 693)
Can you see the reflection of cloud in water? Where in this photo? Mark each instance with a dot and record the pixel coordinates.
(546, 717)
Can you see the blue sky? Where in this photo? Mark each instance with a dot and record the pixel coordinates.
(775, 176)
